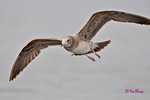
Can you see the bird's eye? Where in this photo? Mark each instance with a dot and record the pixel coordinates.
(68, 40)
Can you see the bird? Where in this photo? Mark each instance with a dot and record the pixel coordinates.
(78, 44)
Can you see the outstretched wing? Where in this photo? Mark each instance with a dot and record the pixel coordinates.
(29, 52)
(100, 18)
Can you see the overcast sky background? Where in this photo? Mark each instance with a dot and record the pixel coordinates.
(55, 74)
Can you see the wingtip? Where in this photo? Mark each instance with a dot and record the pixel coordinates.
(108, 41)
(148, 23)
(11, 78)
(145, 21)
(12, 75)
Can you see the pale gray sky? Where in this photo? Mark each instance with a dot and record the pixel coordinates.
(56, 75)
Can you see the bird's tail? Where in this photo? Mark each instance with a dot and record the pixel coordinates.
(101, 45)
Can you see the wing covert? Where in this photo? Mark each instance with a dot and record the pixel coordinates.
(30, 52)
(98, 19)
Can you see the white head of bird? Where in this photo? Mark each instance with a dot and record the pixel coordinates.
(67, 41)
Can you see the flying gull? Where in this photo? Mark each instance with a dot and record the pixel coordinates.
(78, 44)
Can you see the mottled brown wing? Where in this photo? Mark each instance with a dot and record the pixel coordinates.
(29, 52)
(100, 18)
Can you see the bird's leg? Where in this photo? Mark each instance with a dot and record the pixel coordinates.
(95, 52)
(91, 58)
(97, 55)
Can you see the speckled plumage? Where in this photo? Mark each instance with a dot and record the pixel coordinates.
(78, 44)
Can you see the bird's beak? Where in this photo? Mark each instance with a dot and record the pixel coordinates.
(62, 44)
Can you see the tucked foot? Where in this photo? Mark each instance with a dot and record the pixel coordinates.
(98, 55)
(91, 58)
(94, 51)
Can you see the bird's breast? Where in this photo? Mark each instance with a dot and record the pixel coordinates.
(82, 48)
